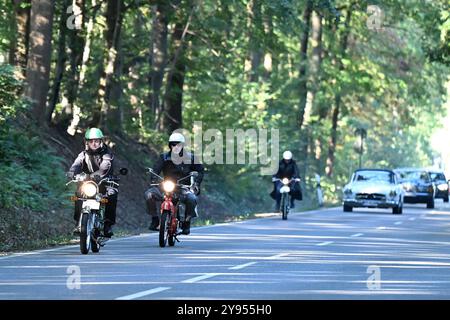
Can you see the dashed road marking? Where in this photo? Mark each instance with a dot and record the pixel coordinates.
(357, 235)
(242, 266)
(143, 293)
(325, 243)
(202, 277)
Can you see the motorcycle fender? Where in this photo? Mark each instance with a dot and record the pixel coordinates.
(285, 189)
(91, 204)
(167, 205)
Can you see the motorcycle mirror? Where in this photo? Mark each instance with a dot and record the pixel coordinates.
(150, 169)
(123, 171)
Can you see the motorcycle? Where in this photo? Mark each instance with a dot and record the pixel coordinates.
(285, 196)
(93, 207)
(172, 210)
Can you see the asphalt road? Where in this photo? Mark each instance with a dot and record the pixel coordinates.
(325, 254)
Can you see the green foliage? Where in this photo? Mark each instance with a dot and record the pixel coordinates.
(33, 176)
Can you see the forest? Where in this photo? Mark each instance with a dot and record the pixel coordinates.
(346, 83)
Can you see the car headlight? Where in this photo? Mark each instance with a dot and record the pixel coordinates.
(89, 189)
(393, 194)
(168, 186)
(347, 191)
(285, 181)
(443, 187)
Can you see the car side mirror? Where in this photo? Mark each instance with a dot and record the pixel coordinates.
(123, 171)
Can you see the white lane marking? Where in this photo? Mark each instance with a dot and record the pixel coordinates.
(242, 266)
(280, 255)
(143, 293)
(325, 243)
(412, 219)
(398, 222)
(357, 235)
(199, 278)
(381, 228)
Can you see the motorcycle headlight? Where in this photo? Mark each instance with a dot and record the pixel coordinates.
(443, 187)
(168, 186)
(89, 189)
(285, 181)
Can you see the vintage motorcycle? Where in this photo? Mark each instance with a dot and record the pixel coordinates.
(285, 203)
(172, 210)
(93, 206)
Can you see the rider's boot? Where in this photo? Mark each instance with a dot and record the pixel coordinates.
(107, 231)
(155, 224)
(77, 230)
(186, 226)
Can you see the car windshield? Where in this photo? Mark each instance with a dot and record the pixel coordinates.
(437, 176)
(374, 176)
(414, 175)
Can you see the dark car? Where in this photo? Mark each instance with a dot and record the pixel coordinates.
(418, 186)
(441, 183)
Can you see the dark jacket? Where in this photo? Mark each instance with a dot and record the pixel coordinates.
(98, 163)
(178, 171)
(287, 170)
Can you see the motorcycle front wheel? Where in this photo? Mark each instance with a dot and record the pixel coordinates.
(164, 228)
(85, 235)
(284, 206)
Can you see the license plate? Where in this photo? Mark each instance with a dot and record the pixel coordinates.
(370, 203)
(92, 204)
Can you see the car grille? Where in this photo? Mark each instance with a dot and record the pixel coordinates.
(370, 196)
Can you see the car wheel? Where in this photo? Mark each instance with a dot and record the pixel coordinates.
(430, 204)
(347, 208)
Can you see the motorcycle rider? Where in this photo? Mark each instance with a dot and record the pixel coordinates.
(176, 164)
(97, 162)
(287, 168)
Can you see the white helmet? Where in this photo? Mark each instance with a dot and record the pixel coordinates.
(176, 137)
(287, 155)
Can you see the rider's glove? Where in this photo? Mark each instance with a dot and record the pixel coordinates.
(70, 175)
(96, 177)
(196, 189)
(297, 179)
(274, 179)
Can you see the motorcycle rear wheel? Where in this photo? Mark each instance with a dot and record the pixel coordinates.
(95, 247)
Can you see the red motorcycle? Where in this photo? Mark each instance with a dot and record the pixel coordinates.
(172, 210)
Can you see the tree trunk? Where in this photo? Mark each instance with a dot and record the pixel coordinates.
(315, 65)
(60, 63)
(303, 90)
(158, 58)
(39, 58)
(174, 92)
(71, 115)
(254, 25)
(333, 137)
(338, 96)
(114, 17)
(19, 50)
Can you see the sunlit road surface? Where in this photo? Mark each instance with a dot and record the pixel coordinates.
(326, 254)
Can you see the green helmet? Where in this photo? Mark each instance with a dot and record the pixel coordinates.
(93, 133)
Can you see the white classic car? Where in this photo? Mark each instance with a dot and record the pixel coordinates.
(373, 188)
